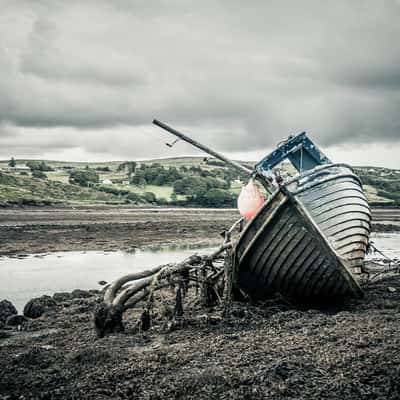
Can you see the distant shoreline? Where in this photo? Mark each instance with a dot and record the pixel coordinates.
(33, 230)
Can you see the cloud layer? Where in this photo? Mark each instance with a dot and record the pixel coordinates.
(239, 76)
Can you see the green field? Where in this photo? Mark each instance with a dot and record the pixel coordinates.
(236, 187)
(17, 188)
(381, 185)
(27, 190)
(160, 191)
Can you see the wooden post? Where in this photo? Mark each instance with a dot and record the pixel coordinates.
(229, 278)
(229, 271)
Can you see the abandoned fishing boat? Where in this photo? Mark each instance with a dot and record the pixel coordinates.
(308, 240)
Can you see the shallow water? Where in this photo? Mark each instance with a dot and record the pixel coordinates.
(34, 275)
(387, 243)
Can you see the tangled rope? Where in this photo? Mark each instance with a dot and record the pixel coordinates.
(374, 269)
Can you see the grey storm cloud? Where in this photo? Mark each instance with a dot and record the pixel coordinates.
(239, 75)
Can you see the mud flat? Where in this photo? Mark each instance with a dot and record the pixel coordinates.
(386, 219)
(39, 230)
(271, 351)
(260, 352)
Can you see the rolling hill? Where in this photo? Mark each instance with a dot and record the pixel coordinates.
(114, 186)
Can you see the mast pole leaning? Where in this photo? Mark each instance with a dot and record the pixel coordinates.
(206, 149)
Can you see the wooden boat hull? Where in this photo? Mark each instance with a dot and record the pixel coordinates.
(333, 196)
(285, 249)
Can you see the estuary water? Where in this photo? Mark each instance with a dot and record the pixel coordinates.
(22, 278)
(387, 243)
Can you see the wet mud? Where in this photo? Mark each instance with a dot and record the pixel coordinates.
(269, 351)
(40, 230)
(26, 231)
(261, 351)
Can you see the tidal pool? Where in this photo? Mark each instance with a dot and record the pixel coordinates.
(22, 278)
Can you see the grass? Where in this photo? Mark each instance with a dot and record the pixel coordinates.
(372, 195)
(25, 189)
(236, 187)
(175, 161)
(16, 188)
(159, 191)
(58, 176)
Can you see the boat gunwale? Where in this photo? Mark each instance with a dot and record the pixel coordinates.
(321, 168)
(312, 184)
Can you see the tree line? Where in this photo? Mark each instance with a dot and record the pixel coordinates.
(192, 186)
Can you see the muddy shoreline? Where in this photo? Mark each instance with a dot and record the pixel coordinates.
(40, 230)
(271, 351)
(25, 231)
(259, 352)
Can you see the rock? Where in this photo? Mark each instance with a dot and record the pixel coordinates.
(79, 293)
(107, 320)
(391, 289)
(35, 357)
(16, 320)
(4, 335)
(61, 297)
(7, 309)
(35, 308)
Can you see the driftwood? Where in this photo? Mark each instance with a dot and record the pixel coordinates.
(198, 271)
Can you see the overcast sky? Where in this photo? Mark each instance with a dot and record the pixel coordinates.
(82, 80)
